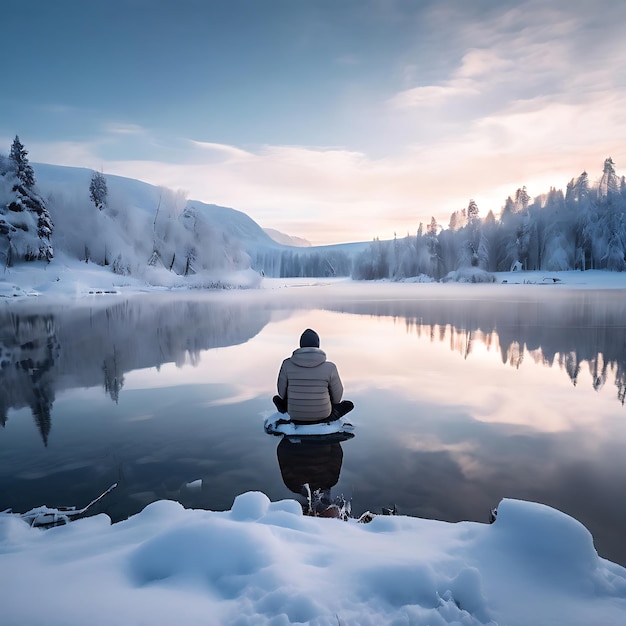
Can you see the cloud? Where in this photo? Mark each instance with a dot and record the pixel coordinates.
(477, 67)
(432, 95)
(523, 93)
(534, 96)
(330, 194)
(221, 150)
(56, 108)
(521, 51)
(117, 128)
(71, 153)
(481, 63)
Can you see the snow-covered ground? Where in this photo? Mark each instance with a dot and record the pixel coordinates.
(265, 562)
(66, 276)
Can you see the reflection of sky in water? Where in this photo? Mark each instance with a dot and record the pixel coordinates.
(441, 433)
(385, 354)
(473, 428)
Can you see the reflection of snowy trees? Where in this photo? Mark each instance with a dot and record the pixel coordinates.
(113, 376)
(29, 355)
(41, 354)
(44, 353)
(585, 228)
(574, 331)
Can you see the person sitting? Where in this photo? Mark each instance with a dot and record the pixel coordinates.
(309, 387)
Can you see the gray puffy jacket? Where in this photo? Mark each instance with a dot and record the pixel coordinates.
(310, 383)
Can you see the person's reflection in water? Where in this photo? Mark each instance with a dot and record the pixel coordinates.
(311, 470)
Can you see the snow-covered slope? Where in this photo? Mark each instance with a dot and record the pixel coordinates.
(143, 224)
(235, 224)
(59, 180)
(287, 240)
(56, 179)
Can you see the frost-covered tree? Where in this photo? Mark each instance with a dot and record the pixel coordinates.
(458, 219)
(609, 182)
(578, 206)
(602, 225)
(491, 235)
(19, 162)
(444, 250)
(472, 211)
(521, 200)
(517, 205)
(407, 259)
(510, 227)
(434, 249)
(373, 263)
(483, 254)
(433, 227)
(467, 254)
(25, 223)
(98, 191)
(612, 230)
(585, 228)
(468, 242)
(577, 191)
(556, 245)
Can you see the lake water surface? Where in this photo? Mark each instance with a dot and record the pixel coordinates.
(464, 395)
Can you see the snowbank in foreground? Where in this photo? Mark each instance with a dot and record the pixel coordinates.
(267, 563)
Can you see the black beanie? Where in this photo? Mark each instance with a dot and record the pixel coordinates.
(309, 339)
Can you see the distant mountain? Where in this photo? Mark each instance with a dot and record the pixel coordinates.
(287, 240)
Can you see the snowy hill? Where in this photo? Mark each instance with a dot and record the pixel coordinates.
(143, 225)
(235, 224)
(59, 181)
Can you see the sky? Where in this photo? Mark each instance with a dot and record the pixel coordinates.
(332, 121)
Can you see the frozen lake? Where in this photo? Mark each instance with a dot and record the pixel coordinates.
(464, 394)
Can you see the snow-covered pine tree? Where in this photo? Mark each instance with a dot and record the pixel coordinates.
(468, 252)
(577, 190)
(25, 224)
(98, 190)
(433, 228)
(19, 162)
(555, 233)
(579, 205)
(609, 182)
(521, 200)
(432, 231)
(458, 219)
(614, 225)
(472, 211)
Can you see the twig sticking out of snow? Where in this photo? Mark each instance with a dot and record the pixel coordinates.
(44, 516)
